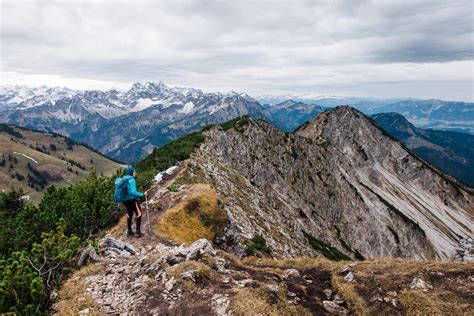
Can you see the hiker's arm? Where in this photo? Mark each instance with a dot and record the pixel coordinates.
(133, 189)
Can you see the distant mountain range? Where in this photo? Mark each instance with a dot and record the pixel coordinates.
(127, 125)
(451, 152)
(124, 125)
(290, 114)
(435, 114)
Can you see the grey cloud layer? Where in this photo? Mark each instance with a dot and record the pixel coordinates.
(240, 44)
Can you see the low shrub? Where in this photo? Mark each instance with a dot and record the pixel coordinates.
(257, 244)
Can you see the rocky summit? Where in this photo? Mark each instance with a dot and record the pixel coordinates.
(338, 186)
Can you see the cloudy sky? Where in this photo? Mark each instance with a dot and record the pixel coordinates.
(386, 48)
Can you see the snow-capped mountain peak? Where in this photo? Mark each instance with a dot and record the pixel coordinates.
(23, 97)
(110, 103)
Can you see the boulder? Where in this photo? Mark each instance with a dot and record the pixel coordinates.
(328, 293)
(335, 309)
(171, 170)
(466, 243)
(200, 247)
(170, 284)
(116, 247)
(348, 267)
(164, 175)
(291, 273)
(188, 275)
(88, 253)
(349, 277)
(161, 248)
(85, 311)
(220, 303)
(468, 258)
(418, 284)
(129, 248)
(272, 288)
(177, 255)
(108, 241)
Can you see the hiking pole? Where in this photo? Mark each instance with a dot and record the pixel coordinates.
(147, 214)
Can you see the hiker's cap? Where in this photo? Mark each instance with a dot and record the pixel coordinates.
(129, 171)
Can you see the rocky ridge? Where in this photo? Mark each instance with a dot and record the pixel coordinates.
(339, 181)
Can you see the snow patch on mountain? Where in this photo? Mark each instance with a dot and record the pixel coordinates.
(187, 108)
(142, 104)
(26, 156)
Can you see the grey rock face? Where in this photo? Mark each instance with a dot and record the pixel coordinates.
(340, 179)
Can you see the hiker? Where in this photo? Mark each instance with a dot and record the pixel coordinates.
(131, 203)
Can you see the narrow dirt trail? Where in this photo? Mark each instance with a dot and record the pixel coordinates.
(159, 195)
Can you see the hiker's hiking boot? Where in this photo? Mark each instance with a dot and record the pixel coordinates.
(138, 234)
(130, 233)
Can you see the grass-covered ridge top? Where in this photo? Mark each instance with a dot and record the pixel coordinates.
(167, 156)
(238, 123)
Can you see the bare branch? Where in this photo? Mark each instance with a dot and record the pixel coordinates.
(34, 267)
(53, 268)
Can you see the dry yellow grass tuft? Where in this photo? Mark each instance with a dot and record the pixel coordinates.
(197, 267)
(118, 230)
(73, 298)
(246, 302)
(261, 301)
(302, 262)
(348, 291)
(437, 302)
(197, 216)
(202, 274)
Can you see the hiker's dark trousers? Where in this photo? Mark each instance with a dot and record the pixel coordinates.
(133, 207)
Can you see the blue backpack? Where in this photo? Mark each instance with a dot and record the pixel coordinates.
(121, 190)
